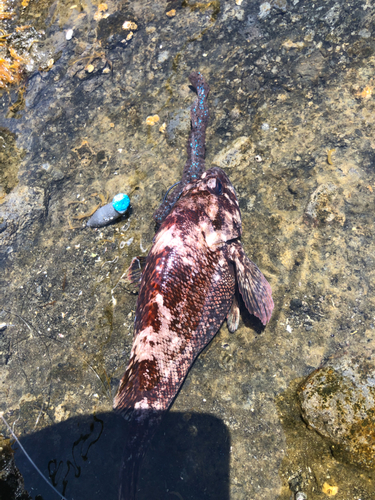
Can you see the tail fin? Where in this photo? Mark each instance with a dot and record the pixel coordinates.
(142, 427)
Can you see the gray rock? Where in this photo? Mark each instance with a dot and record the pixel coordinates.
(179, 123)
(310, 67)
(338, 401)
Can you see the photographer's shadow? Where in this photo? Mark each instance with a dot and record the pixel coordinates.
(188, 458)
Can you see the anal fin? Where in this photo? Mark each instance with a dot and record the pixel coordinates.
(253, 286)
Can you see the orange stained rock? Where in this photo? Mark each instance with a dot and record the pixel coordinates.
(365, 94)
(151, 120)
(99, 14)
(329, 156)
(22, 28)
(329, 490)
(11, 69)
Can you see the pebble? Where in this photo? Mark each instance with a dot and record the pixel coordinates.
(264, 10)
(69, 34)
(151, 120)
(129, 25)
(300, 496)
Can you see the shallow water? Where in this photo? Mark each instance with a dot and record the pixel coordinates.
(291, 123)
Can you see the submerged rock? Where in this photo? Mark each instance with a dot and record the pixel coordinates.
(338, 401)
(324, 206)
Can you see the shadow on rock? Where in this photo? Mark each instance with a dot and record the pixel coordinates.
(188, 458)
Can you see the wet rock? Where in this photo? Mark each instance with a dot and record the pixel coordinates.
(297, 188)
(233, 155)
(310, 68)
(179, 124)
(11, 481)
(338, 401)
(281, 5)
(295, 304)
(250, 85)
(324, 206)
(24, 206)
(10, 157)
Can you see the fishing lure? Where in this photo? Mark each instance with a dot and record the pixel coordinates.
(110, 212)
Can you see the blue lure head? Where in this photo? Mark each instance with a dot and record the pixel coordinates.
(121, 203)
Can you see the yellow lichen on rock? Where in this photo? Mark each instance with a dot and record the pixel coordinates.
(171, 13)
(288, 44)
(365, 93)
(129, 25)
(330, 491)
(151, 120)
(101, 12)
(329, 156)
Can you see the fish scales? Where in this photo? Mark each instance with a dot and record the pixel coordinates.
(192, 274)
(180, 309)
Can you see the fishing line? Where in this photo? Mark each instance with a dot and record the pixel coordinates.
(166, 194)
(29, 458)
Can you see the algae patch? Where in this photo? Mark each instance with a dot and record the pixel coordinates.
(10, 157)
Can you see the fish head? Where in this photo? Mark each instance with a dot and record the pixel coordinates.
(213, 197)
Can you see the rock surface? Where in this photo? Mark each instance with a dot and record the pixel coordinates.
(338, 401)
(292, 117)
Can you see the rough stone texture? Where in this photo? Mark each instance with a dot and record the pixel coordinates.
(338, 401)
(296, 79)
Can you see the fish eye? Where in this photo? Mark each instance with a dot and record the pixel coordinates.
(215, 186)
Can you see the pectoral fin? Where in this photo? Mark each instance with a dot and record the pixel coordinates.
(253, 286)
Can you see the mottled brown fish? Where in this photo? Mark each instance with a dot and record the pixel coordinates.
(188, 287)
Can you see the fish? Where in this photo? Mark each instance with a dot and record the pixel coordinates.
(189, 285)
